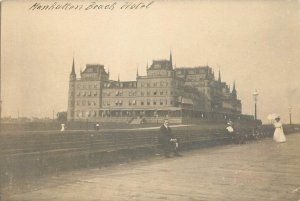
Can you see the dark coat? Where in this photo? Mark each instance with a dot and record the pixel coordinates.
(165, 135)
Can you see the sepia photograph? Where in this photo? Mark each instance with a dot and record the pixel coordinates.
(149, 100)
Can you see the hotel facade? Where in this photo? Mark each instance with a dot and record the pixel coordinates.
(164, 92)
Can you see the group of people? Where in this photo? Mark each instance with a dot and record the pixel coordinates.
(170, 143)
(278, 135)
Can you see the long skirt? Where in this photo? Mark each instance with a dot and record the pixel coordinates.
(279, 135)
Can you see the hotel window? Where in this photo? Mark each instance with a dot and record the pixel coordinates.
(83, 102)
(161, 93)
(161, 102)
(148, 84)
(78, 93)
(142, 102)
(142, 93)
(134, 102)
(78, 103)
(89, 103)
(95, 86)
(95, 93)
(154, 102)
(154, 93)
(129, 103)
(155, 84)
(130, 93)
(148, 93)
(148, 102)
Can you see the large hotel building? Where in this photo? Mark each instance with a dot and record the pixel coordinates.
(164, 92)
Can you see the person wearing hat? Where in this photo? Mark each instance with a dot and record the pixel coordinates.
(167, 140)
(230, 127)
(278, 133)
(235, 134)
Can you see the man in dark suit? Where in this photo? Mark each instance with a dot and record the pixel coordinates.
(167, 140)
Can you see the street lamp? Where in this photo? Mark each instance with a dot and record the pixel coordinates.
(290, 111)
(255, 94)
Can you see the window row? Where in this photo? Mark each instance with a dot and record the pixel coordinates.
(137, 103)
(86, 103)
(84, 86)
(154, 84)
(120, 84)
(159, 84)
(87, 93)
(133, 93)
(119, 93)
(155, 93)
(82, 114)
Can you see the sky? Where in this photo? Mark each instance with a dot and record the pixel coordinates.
(254, 43)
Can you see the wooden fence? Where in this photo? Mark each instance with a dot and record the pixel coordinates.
(28, 154)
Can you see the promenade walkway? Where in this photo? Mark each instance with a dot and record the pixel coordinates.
(259, 170)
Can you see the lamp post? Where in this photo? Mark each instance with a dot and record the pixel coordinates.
(290, 111)
(255, 94)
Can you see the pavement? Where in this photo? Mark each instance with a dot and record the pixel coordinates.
(257, 171)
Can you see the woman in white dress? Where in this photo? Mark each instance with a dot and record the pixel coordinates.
(278, 134)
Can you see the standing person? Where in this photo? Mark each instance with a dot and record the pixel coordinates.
(278, 133)
(167, 140)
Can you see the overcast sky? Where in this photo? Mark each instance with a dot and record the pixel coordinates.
(254, 43)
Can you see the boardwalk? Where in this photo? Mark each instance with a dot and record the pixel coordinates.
(259, 170)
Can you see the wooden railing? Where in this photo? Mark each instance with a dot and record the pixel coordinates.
(23, 155)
